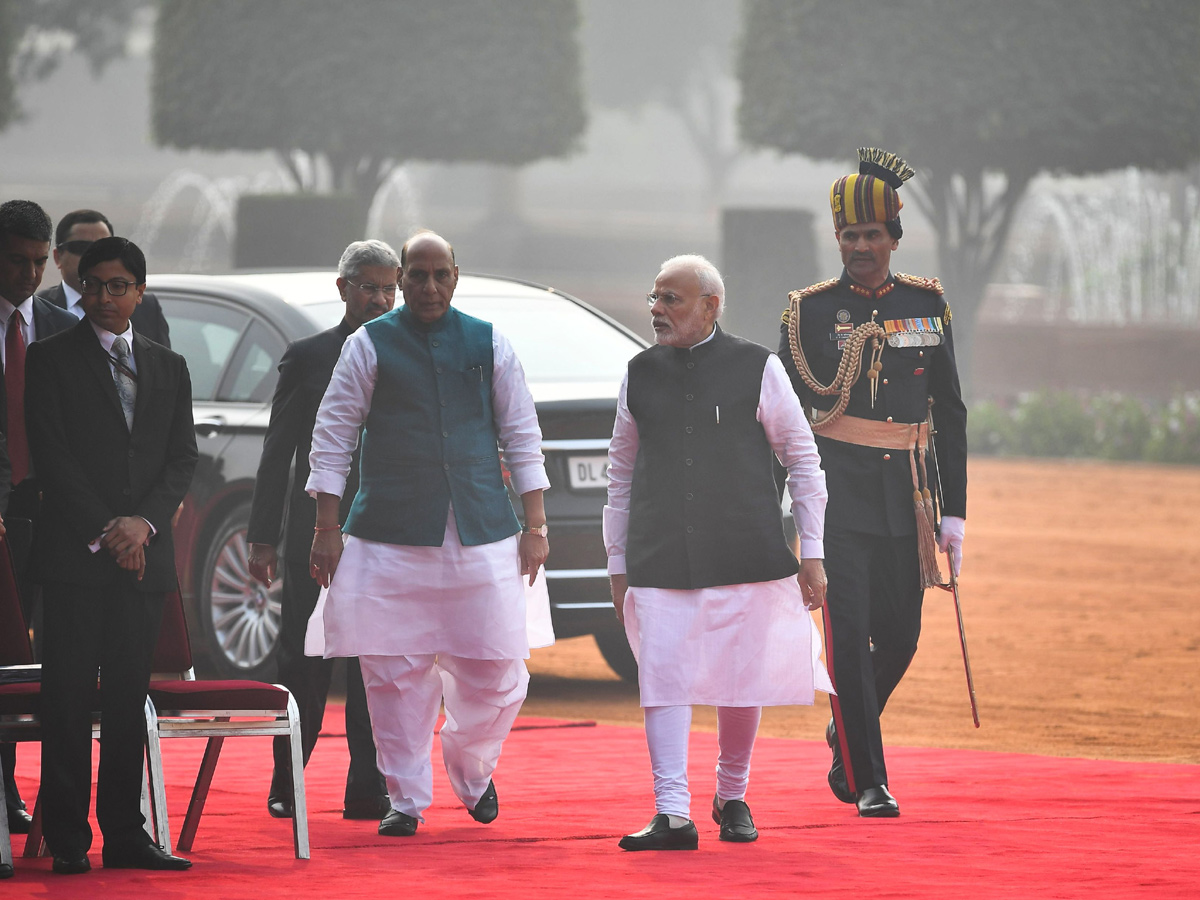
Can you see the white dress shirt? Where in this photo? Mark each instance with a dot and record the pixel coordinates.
(6, 311)
(74, 301)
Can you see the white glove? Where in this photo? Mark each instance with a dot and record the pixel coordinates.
(951, 535)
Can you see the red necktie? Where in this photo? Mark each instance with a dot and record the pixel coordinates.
(14, 387)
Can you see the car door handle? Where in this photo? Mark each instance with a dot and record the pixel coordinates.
(210, 427)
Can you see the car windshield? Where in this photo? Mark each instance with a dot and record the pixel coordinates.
(555, 339)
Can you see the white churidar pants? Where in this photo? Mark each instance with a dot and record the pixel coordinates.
(667, 729)
(404, 694)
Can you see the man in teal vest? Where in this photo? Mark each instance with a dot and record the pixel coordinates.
(427, 591)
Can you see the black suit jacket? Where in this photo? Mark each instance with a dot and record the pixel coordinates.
(304, 374)
(148, 319)
(91, 468)
(47, 320)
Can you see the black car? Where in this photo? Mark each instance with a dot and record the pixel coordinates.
(233, 330)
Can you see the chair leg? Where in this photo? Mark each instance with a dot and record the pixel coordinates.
(6, 857)
(35, 845)
(299, 801)
(200, 793)
(158, 787)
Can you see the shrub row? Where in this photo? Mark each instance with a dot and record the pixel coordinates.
(1096, 426)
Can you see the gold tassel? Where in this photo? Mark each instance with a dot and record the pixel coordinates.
(926, 541)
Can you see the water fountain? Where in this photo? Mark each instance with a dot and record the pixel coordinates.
(209, 229)
(1108, 251)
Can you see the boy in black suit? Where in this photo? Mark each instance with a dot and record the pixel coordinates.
(109, 416)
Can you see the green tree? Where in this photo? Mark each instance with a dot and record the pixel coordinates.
(344, 92)
(678, 54)
(980, 97)
(35, 35)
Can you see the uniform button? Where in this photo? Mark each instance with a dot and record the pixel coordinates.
(691, 365)
(686, 462)
(887, 456)
(690, 529)
(131, 454)
(889, 418)
(920, 353)
(688, 430)
(885, 381)
(874, 312)
(445, 434)
(125, 491)
(438, 370)
(435, 343)
(689, 396)
(443, 402)
(446, 466)
(688, 496)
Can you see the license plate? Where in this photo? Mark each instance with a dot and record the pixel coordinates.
(588, 471)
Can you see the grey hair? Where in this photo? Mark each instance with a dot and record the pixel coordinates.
(361, 254)
(710, 278)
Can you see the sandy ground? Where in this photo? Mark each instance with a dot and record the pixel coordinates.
(1081, 594)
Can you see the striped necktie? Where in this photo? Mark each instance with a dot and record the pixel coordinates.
(123, 376)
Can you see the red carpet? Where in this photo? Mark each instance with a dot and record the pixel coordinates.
(978, 825)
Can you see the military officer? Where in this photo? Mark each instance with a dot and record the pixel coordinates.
(871, 356)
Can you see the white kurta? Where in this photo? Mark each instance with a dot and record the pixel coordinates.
(733, 645)
(396, 600)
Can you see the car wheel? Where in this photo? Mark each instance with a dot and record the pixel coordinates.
(614, 647)
(240, 618)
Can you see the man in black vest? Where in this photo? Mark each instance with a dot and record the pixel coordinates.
(702, 576)
(73, 235)
(873, 433)
(367, 281)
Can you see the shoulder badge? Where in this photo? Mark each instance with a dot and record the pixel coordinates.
(927, 284)
(946, 316)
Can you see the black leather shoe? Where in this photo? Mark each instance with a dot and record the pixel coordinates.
(876, 803)
(737, 825)
(71, 864)
(19, 821)
(659, 835)
(488, 806)
(837, 771)
(372, 808)
(397, 824)
(143, 856)
(6, 871)
(280, 807)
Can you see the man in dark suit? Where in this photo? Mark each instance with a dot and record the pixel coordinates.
(24, 318)
(109, 414)
(367, 281)
(75, 233)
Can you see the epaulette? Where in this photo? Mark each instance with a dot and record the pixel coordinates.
(796, 296)
(928, 284)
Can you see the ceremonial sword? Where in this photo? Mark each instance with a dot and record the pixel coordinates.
(952, 587)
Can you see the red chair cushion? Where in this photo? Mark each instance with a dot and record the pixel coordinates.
(185, 695)
(22, 699)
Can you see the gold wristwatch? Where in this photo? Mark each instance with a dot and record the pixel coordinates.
(539, 530)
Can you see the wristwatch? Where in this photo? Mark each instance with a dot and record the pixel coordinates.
(539, 530)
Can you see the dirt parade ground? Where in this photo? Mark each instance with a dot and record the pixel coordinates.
(1081, 594)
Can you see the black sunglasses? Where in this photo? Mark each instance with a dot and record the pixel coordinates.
(77, 247)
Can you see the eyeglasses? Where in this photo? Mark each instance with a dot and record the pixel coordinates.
(77, 247)
(670, 300)
(388, 290)
(116, 287)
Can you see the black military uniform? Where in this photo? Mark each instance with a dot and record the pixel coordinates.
(873, 612)
(873, 526)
